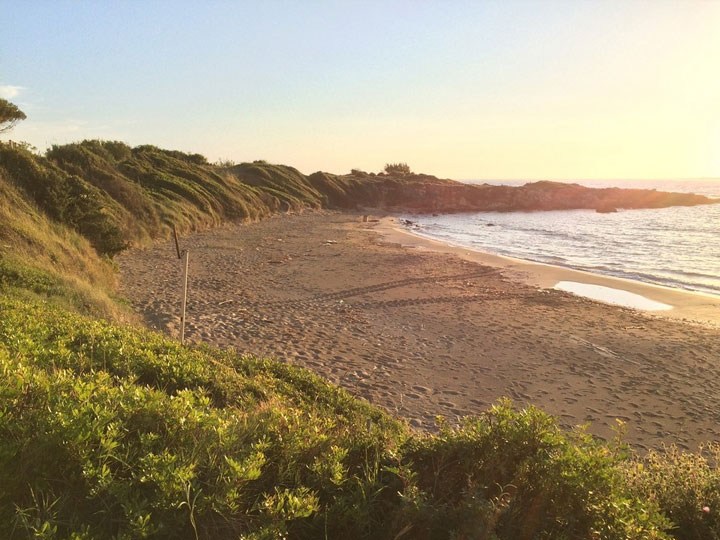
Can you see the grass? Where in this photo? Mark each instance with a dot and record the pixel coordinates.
(67, 213)
(41, 258)
(112, 431)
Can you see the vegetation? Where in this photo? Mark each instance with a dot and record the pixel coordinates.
(399, 169)
(41, 258)
(110, 431)
(685, 485)
(10, 115)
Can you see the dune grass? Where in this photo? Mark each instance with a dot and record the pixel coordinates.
(67, 213)
(41, 258)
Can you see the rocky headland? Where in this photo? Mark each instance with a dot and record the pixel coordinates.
(427, 194)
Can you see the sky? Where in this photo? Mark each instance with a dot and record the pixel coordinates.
(540, 89)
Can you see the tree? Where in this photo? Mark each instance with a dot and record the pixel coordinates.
(9, 115)
(399, 169)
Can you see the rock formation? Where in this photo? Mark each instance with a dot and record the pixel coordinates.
(427, 194)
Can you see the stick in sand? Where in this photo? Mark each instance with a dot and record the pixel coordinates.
(185, 284)
(184, 300)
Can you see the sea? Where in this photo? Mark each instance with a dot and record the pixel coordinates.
(676, 247)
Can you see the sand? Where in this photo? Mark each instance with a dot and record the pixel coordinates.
(424, 329)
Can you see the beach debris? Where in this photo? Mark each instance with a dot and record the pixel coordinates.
(330, 242)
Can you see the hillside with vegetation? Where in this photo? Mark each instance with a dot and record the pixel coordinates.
(108, 430)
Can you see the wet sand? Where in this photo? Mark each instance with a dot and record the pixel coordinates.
(424, 329)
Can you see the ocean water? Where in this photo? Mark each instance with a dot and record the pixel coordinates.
(676, 247)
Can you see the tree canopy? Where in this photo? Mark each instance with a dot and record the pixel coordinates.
(10, 115)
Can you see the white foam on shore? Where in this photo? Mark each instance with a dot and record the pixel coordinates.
(610, 295)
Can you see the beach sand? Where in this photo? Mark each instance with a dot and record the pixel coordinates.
(424, 329)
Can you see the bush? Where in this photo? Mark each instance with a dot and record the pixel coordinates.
(397, 169)
(110, 432)
(685, 485)
(225, 163)
(516, 474)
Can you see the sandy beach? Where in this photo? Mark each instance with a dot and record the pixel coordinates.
(424, 329)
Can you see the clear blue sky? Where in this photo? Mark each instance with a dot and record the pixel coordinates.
(507, 89)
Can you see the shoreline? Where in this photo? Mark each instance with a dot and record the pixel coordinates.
(422, 333)
(688, 306)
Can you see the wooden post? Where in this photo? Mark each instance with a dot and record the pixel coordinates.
(184, 297)
(177, 244)
(185, 282)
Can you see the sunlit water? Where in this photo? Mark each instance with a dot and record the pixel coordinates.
(611, 295)
(676, 247)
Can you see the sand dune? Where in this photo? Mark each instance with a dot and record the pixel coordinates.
(424, 333)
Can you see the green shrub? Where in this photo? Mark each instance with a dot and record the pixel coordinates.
(114, 432)
(516, 474)
(67, 199)
(108, 431)
(14, 275)
(685, 485)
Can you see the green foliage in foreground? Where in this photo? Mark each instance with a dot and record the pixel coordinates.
(685, 485)
(112, 432)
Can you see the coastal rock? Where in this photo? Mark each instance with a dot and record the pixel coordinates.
(425, 194)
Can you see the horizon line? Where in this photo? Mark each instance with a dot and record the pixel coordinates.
(591, 179)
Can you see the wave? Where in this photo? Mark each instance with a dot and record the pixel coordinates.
(671, 247)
